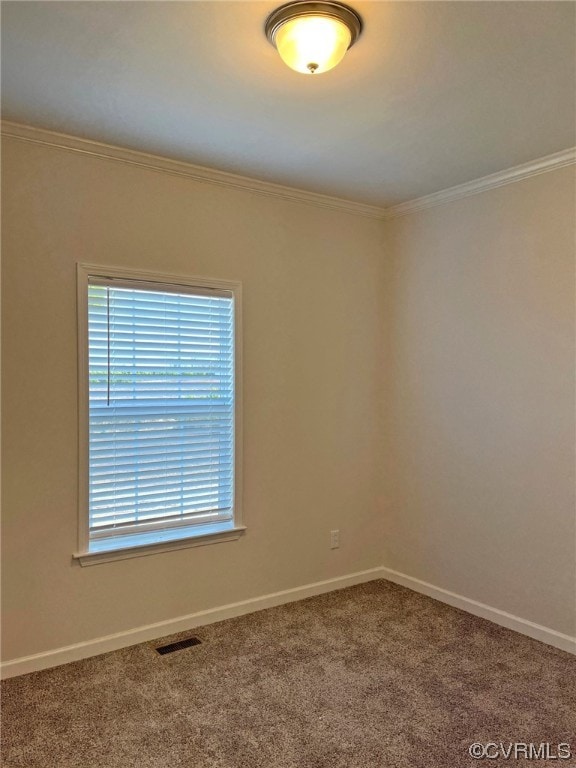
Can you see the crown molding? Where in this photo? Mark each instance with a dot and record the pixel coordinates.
(518, 173)
(199, 173)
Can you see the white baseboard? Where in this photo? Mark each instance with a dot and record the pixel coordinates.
(508, 620)
(38, 661)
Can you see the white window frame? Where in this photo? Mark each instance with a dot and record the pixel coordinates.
(191, 538)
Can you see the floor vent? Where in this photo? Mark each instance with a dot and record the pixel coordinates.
(179, 646)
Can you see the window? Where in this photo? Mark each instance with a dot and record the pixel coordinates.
(159, 411)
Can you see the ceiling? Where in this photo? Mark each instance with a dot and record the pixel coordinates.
(434, 94)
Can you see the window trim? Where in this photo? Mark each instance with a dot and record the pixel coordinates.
(151, 279)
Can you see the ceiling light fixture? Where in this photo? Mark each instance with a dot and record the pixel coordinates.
(313, 37)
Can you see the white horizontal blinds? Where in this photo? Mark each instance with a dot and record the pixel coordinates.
(161, 371)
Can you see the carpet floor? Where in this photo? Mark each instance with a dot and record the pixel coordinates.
(374, 676)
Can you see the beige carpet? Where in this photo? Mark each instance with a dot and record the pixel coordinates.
(375, 676)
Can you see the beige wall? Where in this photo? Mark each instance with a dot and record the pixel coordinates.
(444, 339)
(312, 282)
(480, 396)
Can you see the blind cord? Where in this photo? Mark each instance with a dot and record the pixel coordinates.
(108, 344)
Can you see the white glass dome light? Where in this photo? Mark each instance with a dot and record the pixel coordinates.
(313, 37)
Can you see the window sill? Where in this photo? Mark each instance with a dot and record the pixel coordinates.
(107, 550)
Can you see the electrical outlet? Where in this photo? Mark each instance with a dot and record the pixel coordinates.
(334, 539)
